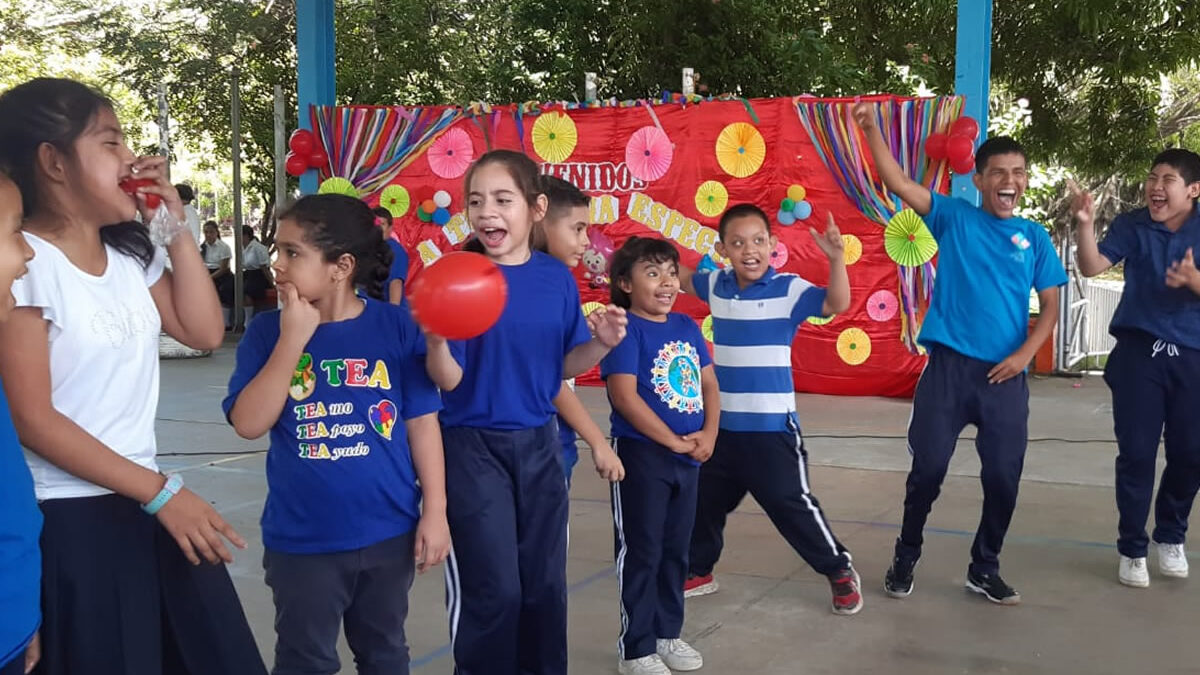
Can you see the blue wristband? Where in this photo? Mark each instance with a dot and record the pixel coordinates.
(170, 489)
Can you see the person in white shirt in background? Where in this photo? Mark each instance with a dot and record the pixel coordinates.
(256, 276)
(187, 195)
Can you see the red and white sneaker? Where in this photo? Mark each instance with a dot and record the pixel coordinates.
(847, 598)
(696, 586)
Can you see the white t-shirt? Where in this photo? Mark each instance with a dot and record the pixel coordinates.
(215, 253)
(193, 222)
(255, 256)
(103, 355)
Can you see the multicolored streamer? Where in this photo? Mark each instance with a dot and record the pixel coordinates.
(905, 123)
(371, 145)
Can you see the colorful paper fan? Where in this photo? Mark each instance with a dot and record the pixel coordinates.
(451, 154)
(821, 320)
(854, 346)
(554, 136)
(589, 307)
(648, 153)
(706, 328)
(711, 198)
(882, 305)
(395, 199)
(337, 186)
(908, 241)
(740, 149)
(779, 256)
(852, 248)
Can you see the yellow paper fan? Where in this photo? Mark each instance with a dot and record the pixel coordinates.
(706, 328)
(821, 320)
(589, 307)
(740, 149)
(338, 186)
(854, 346)
(711, 198)
(554, 136)
(852, 248)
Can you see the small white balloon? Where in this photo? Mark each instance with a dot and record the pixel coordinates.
(442, 199)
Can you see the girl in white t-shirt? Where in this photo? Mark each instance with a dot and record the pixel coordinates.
(133, 580)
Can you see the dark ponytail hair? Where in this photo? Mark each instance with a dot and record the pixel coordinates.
(57, 111)
(338, 225)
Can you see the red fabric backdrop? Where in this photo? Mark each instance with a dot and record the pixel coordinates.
(597, 165)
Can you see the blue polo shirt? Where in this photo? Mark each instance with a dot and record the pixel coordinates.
(1147, 303)
(512, 373)
(753, 329)
(20, 554)
(986, 267)
(666, 358)
(399, 268)
(340, 475)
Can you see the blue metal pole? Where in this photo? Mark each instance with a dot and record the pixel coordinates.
(315, 69)
(972, 73)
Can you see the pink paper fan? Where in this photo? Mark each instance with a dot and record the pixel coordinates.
(451, 154)
(779, 256)
(649, 153)
(882, 305)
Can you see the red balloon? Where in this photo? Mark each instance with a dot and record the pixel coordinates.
(965, 126)
(131, 185)
(295, 164)
(460, 296)
(301, 142)
(935, 146)
(959, 147)
(963, 165)
(318, 159)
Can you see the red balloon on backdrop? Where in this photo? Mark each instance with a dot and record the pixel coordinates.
(295, 164)
(965, 126)
(460, 296)
(959, 147)
(935, 146)
(301, 142)
(963, 165)
(318, 159)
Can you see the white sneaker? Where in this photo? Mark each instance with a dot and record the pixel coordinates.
(647, 665)
(1133, 572)
(679, 655)
(1172, 560)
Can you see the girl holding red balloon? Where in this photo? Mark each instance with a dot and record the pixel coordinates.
(339, 382)
(123, 587)
(507, 500)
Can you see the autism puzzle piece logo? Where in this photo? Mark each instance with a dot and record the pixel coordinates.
(383, 418)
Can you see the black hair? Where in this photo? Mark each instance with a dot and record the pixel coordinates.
(561, 196)
(57, 111)
(1186, 162)
(340, 225)
(997, 145)
(741, 211)
(523, 170)
(381, 212)
(632, 252)
(203, 242)
(186, 194)
(247, 233)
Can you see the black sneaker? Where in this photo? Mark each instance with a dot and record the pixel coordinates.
(899, 580)
(992, 587)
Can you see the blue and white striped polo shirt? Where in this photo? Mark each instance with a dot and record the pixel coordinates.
(753, 329)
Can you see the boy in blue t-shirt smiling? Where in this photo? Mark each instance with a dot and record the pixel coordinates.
(665, 408)
(979, 346)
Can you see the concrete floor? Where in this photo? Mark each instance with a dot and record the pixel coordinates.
(771, 615)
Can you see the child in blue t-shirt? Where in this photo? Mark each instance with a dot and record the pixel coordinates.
(355, 472)
(506, 581)
(665, 409)
(1154, 369)
(979, 341)
(398, 270)
(562, 233)
(20, 519)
